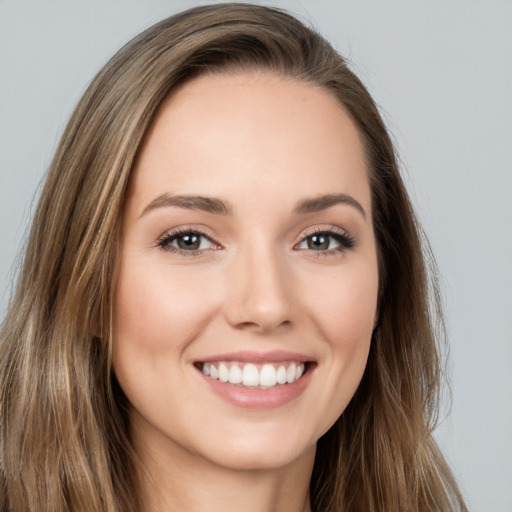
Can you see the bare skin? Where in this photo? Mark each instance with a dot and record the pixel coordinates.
(201, 486)
(247, 241)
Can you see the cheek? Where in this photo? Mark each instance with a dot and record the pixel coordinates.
(344, 314)
(158, 309)
(157, 316)
(346, 310)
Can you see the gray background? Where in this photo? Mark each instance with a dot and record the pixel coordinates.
(442, 73)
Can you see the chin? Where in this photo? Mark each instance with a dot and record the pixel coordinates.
(260, 448)
(250, 458)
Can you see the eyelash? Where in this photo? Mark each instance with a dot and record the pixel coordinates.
(165, 241)
(346, 242)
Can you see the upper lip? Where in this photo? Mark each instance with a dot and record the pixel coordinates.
(274, 356)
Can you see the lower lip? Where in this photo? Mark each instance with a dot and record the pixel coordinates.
(250, 398)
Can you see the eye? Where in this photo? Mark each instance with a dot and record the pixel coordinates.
(186, 241)
(327, 241)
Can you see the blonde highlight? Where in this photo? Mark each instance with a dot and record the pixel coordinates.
(65, 442)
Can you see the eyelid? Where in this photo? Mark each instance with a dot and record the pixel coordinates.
(329, 228)
(184, 230)
(346, 241)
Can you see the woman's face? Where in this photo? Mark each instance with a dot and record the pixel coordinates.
(248, 281)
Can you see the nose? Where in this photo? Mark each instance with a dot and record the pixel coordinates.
(259, 292)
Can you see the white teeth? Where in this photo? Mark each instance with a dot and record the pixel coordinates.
(223, 372)
(268, 376)
(248, 374)
(281, 375)
(290, 373)
(235, 375)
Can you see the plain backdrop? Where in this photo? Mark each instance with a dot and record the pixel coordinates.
(441, 72)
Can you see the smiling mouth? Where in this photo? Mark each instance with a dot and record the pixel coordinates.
(252, 375)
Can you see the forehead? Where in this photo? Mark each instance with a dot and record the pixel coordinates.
(220, 134)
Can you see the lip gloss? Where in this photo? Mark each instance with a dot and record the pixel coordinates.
(253, 398)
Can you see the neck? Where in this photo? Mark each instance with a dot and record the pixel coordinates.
(175, 480)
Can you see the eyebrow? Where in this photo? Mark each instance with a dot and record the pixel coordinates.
(317, 204)
(221, 207)
(206, 204)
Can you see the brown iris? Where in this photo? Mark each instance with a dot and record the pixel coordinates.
(189, 242)
(318, 242)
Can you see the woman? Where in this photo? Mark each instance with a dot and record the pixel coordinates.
(224, 301)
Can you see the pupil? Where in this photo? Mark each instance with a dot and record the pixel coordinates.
(318, 242)
(189, 242)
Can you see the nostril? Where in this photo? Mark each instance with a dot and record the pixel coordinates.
(257, 302)
(263, 325)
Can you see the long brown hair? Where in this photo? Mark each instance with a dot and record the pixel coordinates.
(64, 438)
